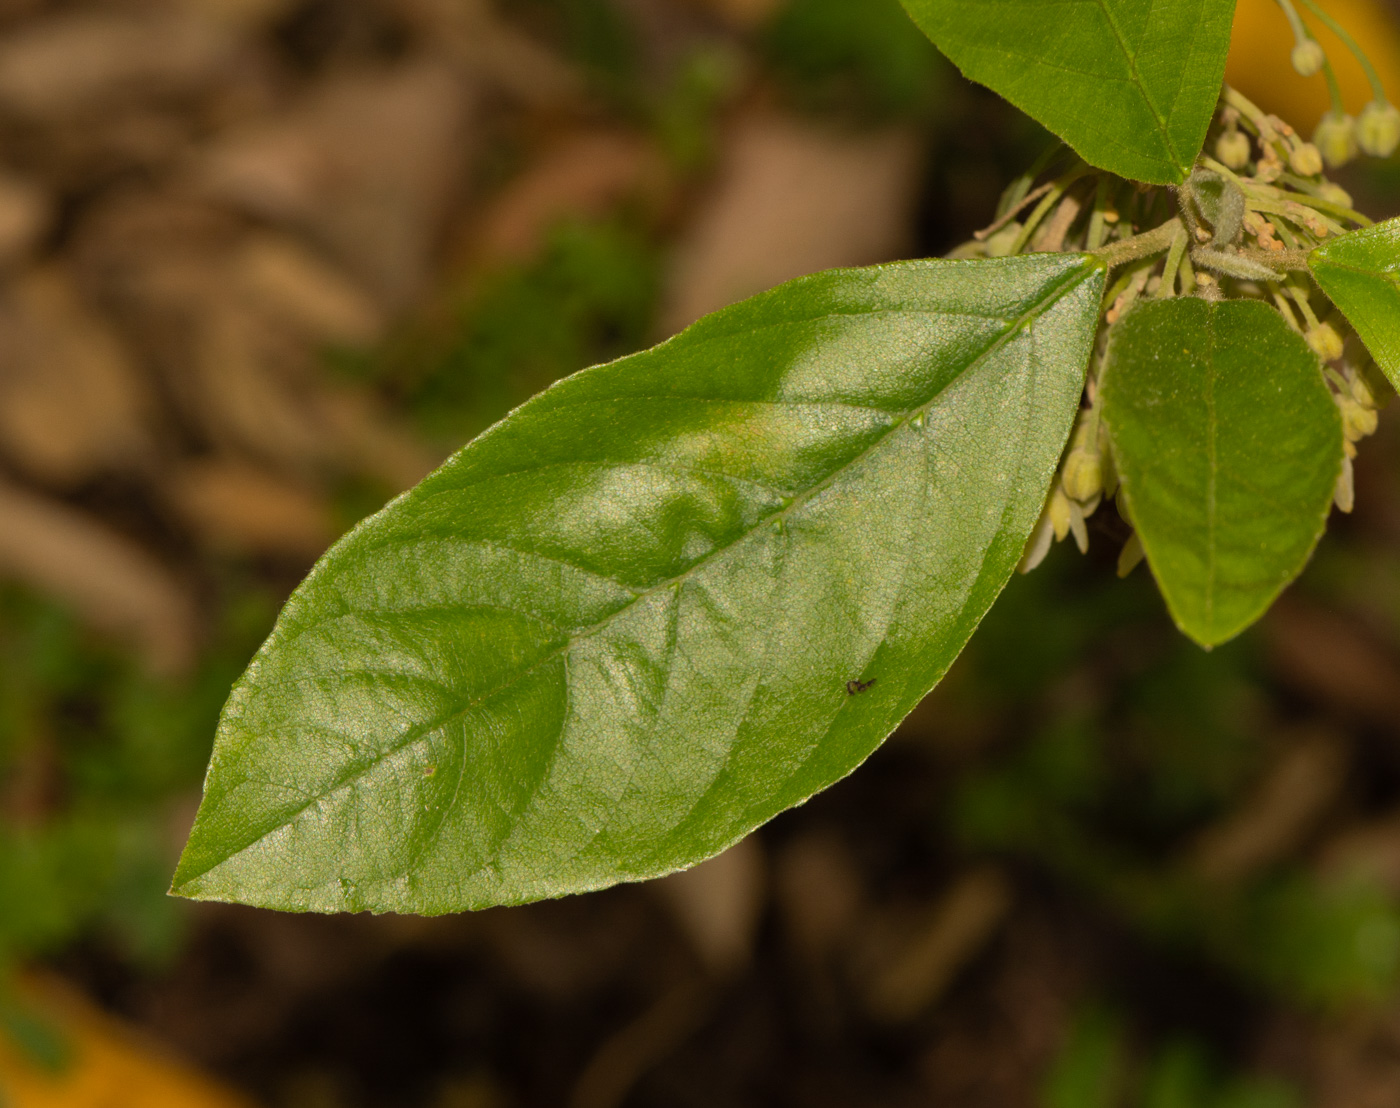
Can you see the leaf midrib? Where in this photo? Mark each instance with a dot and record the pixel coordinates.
(1138, 83)
(1067, 284)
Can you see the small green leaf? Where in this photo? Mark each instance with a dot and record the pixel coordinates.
(1130, 84)
(658, 604)
(1220, 202)
(1361, 273)
(1228, 445)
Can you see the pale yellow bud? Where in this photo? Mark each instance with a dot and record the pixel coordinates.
(999, 245)
(1059, 512)
(1305, 160)
(1344, 495)
(1361, 391)
(1325, 342)
(1083, 475)
(1357, 422)
(1335, 138)
(1233, 149)
(1378, 129)
(1308, 57)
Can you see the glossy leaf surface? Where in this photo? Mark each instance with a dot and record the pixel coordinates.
(625, 626)
(1229, 445)
(1130, 84)
(1361, 273)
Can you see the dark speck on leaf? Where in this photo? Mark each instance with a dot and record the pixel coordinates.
(853, 686)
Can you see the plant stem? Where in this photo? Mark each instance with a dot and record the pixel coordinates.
(1300, 30)
(1334, 89)
(1098, 228)
(1142, 246)
(1173, 266)
(1058, 188)
(1300, 297)
(1251, 111)
(1377, 89)
(1285, 309)
(1011, 212)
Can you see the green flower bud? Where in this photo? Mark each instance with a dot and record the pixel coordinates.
(1309, 57)
(1378, 129)
(1083, 475)
(1325, 342)
(1335, 137)
(1305, 160)
(1233, 149)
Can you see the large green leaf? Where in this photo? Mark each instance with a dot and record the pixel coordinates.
(655, 606)
(1130, 84)
(1361, 273)
(1229, 445)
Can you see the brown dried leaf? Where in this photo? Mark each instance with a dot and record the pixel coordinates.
(93, 61)
(366, 165)
(745, 14)
(718, 905)
(793, 199)
(471, 34)
(1283, 809)
(25, 214)
(107, 579)
(1330, 657)
(238, 507)
(71, 402)
(244, 379)
(289, 283)
(584, 175)
(911, 974)
(818, 890)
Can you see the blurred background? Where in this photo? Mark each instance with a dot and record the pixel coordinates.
(264, 263)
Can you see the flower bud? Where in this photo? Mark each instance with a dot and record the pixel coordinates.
(1131, 554)
(1233, 149)
(1362, 391)
(1305, 160)
(1083, 475)
(1059, 512)
(1308, 57)
(999, 245)
(1357, 422)
(1344, 496)
(1325, 342)
(1378, 129)
(1335, 194)
(1335, 138)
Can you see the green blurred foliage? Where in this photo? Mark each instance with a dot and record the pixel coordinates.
(1100, 1066)
(1132, 742)
(1090, 1069)
(589, 297)
(92, 751)
(599, 38)
(836, 56)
